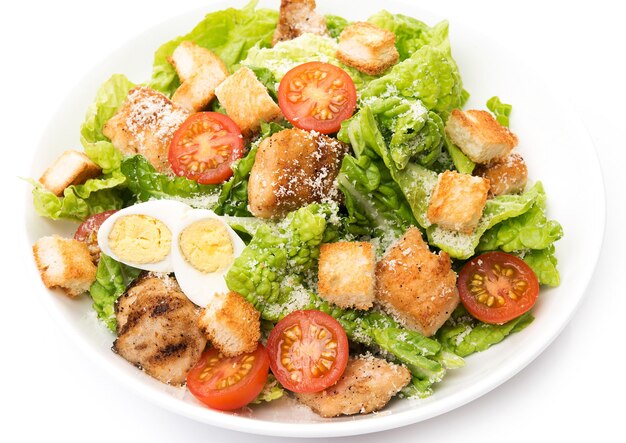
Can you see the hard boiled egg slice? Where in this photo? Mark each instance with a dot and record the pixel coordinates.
(141, 235)
(203, 250)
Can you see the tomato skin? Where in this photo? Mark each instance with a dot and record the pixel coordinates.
(231, 397)
(317, 96)
(305, 353)
(87, 232)
(503, 280)
(204, 147)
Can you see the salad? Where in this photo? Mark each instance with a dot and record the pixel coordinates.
(296, 204)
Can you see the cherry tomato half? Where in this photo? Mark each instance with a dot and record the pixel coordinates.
(308, 351)
(317, 96)
(496, 287)
(228, 383)
(205, 146)
(88, 232)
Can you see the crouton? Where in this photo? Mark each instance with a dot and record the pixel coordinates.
(367, 385)
(64, 263)
(347, 274)
(200, 72)
(293, 168)
(145, 124)
(457, 201)
(298, 17)
(416, 286)
(506, 175)
(71, 168)
(247, 101)
(367, 48)
(231, 323)
(479, 135)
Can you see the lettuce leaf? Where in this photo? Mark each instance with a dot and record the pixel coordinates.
(229, 33)
(411, 34)
(429, 74)
(543, 262)
(463, 335)
(145, 183)
(270, 392)
(306, 48)
(335, 25)
(112, 279)
(108, 99)
(80, 201)
(501, 111)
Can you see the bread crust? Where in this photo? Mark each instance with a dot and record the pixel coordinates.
(367, 48)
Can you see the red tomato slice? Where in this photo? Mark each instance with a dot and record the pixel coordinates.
(228, 383)
(308, 351)
(88, 232)
(317, 96)
(205, 146)
(496, 287)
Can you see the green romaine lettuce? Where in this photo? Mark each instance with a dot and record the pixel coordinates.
(335, 25)
(108, 99)
(145, 183)
(112, 279)
(500, 110)
(229, 33)
(80, 201)
(306, 48)
(543, 263)
(411, 34)
(271, 391)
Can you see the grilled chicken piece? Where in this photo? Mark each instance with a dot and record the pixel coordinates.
(145, 124)
(415, 285)
(293, 168)
(157, 329)
(367, 385)
(296, 18)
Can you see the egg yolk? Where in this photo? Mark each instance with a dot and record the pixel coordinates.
(206, 246)
(140, 239)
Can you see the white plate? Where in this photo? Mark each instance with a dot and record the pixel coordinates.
(553, 141)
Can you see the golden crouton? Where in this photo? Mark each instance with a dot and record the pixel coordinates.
(415, 285)
(347, 274)
(200, 72)
(64, 263)
(479, 135)
(298, 17)
(506, 175)
(293, 168)
(367, 385)
(145, 124)
(458, 201)
(247, 101)
(231, 323)
(368, 48)
(71, 168)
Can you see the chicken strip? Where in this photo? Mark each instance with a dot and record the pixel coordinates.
(367, 385)
(157, 329)
(296, 18)
(293, 168)
(415, 285)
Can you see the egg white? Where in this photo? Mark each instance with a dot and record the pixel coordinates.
(170, 212)
(196, 285)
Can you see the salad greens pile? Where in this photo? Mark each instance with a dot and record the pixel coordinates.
(398, 149)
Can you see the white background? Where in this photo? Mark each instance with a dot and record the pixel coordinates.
(574, 390)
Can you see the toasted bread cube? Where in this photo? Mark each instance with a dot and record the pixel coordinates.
(416, 286)
(145, 124)
(71, 168)
(347, 274)
(367, 385)
(231, 323)
(506, 175)
(367, 48)
(293, 168)
(298, 17)
(64, 263)
(458, 201)
(200, 72)
(479, 135)
(247, 101)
